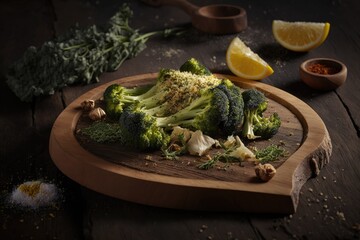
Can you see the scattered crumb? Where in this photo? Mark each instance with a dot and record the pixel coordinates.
(213, 59)
(172, 52)
(203, 228)
(341, 215)
(356, 227)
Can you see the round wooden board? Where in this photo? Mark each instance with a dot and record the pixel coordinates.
(127, 175)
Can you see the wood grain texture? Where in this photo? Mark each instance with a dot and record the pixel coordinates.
(328, 204)
(189, 189)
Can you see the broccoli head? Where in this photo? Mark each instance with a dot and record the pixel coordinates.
(266, 127)
(117, 97)
(113, 105)
(236, 108)
(195, 67)
(255, 124)
(254, 100)
(140, 131)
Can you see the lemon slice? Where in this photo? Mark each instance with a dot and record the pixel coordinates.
(243, 62)
(300, 36)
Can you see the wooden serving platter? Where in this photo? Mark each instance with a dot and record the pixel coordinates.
(146, 178)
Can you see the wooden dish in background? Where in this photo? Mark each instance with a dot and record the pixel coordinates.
(135, 177)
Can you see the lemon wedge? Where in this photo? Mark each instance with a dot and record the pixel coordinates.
(300, 36)
(243, 62)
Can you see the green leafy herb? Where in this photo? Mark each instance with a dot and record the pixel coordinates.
(103, 132)
(79, 56)
(270, 153)
(220, 156)
(209, 164)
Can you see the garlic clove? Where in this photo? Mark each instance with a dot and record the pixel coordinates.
(97, 114)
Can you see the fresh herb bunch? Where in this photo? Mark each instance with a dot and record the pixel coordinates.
(79, 56)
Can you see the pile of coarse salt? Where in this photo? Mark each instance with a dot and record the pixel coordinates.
(34, 194)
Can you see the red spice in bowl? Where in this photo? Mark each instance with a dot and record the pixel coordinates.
(323, 73)
(321, 68)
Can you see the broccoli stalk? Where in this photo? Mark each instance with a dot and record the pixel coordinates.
(205, 113)
(176, 89)
(248, 127)
(117, 97)
(255, 124)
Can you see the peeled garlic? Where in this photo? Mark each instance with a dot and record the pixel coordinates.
(97, 114)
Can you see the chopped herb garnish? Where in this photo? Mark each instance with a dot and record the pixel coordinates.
(220, 156)
(103, 132)
(270, 153)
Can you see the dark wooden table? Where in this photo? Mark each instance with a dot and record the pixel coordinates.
(329, 206)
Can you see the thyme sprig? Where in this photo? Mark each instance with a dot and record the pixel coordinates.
(220, 156)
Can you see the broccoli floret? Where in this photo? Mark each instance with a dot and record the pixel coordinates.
(195, 67)
(173, 90)
(140, 131)
(209, 113)
(206, 113)
(236, 108)
(117, 97)
(266, 127)
(254, 103)
(115, 100)
(255, 124)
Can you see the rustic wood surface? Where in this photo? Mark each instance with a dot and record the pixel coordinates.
(328, 204)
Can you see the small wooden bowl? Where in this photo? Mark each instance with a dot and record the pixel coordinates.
(323, 73)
